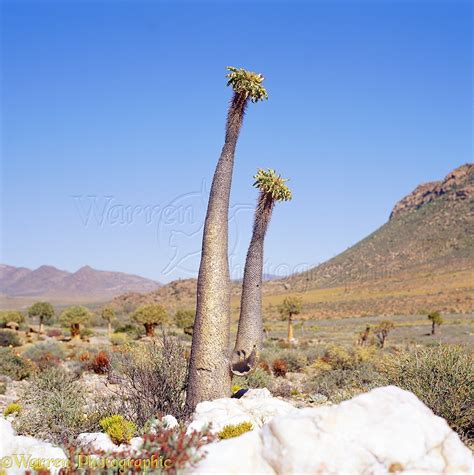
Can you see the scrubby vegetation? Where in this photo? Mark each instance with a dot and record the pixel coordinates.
(9, 338)
(151, 379)
(441, 377)
(13, 365)
(234, 430)
(12, 408)
(54, 407)
(118, 428)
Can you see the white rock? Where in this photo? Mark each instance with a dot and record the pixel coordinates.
(257, 393)
(169, 422)
(19, 453)
(374, 433)
(100, 441)
(257, 409)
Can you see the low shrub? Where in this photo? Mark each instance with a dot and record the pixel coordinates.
(265, 366)
(54, 333)
(45, 354)
(12, 408)
(257, 379)
(341, 384)
(86, 332)
(3, 388)
(133, 331)
(118, 339)
(54, 407)
(9, 338)
(151, 379)
(441, 377)
(118, 428)
(295, 360)
(13, 365)
(234, 430)
(279, 367)
(100, 363)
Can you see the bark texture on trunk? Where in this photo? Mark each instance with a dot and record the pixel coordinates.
(109, 328)
(290, 327)
(149, 329)
(249, 340)
(209, 373)
(41, 326)
(75, 330)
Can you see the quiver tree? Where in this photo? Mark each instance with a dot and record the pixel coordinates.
(436, 320)
(209, 372)
(150, 315)
(249, 340)
(290, 307)
(13, 317)
(184, 319)
(73, 318)
(108, 314)
(43, 311)
(382, 330)
(364, 336)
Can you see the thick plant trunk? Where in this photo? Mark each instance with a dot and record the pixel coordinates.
(41, 326)
(149, 329)
(75, 331)
(109, 329)
(249, 340)
(433, 328)
(290, 328)
(209, 373)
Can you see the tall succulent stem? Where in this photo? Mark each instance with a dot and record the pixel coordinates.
(249, 340)
(209, 375)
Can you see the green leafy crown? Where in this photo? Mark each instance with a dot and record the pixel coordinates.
(268, 182)
(247, 83)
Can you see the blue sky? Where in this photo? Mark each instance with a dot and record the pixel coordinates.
(113, 119)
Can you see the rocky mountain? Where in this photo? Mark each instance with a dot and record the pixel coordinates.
(85, 285)
(421, 258)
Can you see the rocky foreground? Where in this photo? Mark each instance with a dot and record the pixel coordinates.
(386, 430)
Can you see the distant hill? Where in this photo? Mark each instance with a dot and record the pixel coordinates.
(85, 285)
(422, 258)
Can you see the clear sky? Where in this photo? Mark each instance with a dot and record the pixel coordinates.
(113, 119)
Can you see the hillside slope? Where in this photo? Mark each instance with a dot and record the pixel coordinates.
(422, 258)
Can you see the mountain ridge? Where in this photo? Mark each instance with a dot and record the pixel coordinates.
(84, 285)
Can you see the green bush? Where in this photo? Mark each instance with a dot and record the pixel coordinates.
(118, 339)
(13, 365)
(295, 360)
(234, 430)
(151, 379)
(9, 338)
(441, 377)
(258, 379)
(54, 407)
(118, 429)
(133, 331)
(341, 384)
(86, 332)
(45, 354)
(12, 408)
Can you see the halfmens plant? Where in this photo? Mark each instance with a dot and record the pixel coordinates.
(248, 345)
(209, 372)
